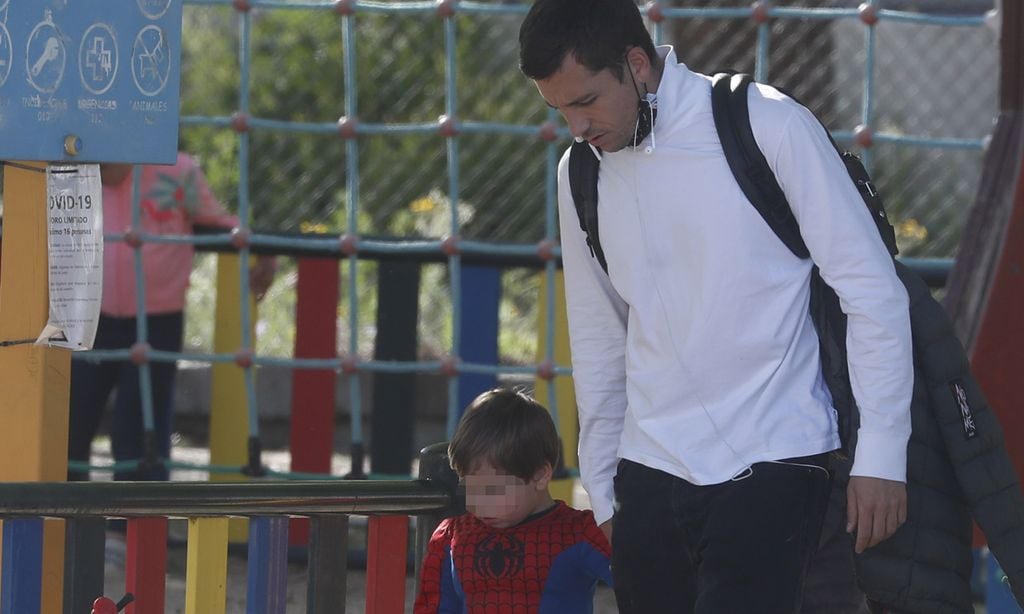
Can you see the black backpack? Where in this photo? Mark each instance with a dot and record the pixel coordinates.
(758, 183)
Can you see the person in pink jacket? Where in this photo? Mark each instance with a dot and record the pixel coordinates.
(174, 199)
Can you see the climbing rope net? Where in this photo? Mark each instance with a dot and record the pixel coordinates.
(397, 66)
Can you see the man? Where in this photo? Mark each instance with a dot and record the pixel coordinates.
(704, 420)
(174, 198)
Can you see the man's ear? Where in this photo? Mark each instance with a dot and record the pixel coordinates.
(639, 63)
(542, 477)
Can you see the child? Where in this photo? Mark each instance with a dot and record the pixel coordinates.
(516, 550)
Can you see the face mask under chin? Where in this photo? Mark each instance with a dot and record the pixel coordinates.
(647, 113)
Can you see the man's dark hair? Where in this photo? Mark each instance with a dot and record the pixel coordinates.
(597, 32)
(508, 430)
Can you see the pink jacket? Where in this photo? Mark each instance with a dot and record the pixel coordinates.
(173, 199)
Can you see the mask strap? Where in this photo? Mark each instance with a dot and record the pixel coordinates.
(647, 112)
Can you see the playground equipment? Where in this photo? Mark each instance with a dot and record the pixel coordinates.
(34, 379)
(471, 362)
(207, 506)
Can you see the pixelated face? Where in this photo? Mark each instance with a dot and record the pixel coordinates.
(502, 500)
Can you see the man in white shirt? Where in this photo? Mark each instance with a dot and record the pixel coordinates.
(704, 420)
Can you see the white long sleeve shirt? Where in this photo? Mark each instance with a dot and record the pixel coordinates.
(696, 354)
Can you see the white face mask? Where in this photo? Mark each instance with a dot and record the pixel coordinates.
(647, 113)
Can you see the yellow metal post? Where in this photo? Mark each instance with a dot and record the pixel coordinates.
(229, 418)
(206, 569)
(34, 379)
(565, 396)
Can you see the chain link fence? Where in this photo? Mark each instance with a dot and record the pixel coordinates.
(924, 78)
(923, 81)
(928, 69)
(931, 81)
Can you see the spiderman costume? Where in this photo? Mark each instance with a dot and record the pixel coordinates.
(549, 563)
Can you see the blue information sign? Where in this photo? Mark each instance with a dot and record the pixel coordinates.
(90, 80)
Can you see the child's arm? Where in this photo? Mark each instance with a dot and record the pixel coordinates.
(437, 593)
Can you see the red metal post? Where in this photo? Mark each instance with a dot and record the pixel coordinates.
(386, 557)
(312, 428)
(998, 357)
(146, 565)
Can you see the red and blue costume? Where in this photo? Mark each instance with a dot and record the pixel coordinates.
(549, 563)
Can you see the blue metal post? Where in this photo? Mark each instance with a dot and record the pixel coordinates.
(479, 323)
(267, 583)
(22, 578)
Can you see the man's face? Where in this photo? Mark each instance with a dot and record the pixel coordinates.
(597, 106)
(502, 500)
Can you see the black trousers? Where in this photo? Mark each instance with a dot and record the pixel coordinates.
(831, 583)
(92, 383)
(740, 547)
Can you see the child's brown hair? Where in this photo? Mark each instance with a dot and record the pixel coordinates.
(508, 430)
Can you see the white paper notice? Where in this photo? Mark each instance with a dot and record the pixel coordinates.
(75, 236)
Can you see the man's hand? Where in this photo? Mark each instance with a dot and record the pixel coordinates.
(606, 528)
(261, 275)
(875, 508)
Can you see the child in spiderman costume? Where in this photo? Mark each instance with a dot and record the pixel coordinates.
(516, 550)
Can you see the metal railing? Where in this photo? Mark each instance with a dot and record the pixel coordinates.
(85, 507)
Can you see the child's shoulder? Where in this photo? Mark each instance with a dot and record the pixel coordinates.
(571, 520)
(573, 515)
(584, 527)
(581, 521)
(461, 524)
(453, 522)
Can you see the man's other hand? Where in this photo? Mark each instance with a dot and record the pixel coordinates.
(875, 508)
(261, 275)
(606, 528)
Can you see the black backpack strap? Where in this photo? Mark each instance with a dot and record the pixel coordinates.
(748, 164)
(583, 170)
(756, 179)
(859, 175)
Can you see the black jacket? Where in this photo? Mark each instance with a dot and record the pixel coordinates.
(957, 468)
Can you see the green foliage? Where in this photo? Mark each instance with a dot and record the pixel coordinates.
(275, 324)
(297, 73)
(518, 313)
(917, 197)
(297, 180)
